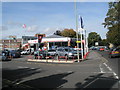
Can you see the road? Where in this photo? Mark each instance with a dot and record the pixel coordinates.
(90, 73)
(113, 63)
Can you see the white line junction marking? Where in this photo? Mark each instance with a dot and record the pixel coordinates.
(116, 76)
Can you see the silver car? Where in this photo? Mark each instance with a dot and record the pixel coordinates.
(67, 52)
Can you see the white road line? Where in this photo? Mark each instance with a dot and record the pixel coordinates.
(90, 83)
(69, 71)
(22, 67)
(101, 69)
(116, 76)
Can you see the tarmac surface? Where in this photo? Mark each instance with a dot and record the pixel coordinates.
(89, 73)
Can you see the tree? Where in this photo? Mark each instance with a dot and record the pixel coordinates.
(112, 23)
(68, 33)
(92, 38)
(58, 32)
(104, 42)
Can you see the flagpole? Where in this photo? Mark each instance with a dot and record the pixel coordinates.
(81, 31)
(84, 41)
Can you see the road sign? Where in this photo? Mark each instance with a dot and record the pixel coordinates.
(78, 41)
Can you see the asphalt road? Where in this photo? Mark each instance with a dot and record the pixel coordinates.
(114, 63)
(91, 73)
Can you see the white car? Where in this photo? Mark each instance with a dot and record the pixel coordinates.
(24, 52)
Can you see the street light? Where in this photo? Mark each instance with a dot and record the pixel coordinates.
(76, 15)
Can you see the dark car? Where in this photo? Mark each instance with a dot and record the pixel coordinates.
(6, 55)
(15, 53)
(41, 54)
(115, 52)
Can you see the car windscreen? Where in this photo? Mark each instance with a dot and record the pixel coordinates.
(13, 51)
(117, 49)
(51, 50)
(68, 50)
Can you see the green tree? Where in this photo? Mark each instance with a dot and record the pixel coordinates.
(104, 42)
(112, 23)
(68, 33)
(92, 38)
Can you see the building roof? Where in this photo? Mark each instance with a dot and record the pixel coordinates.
(54, 36)
(29, 37)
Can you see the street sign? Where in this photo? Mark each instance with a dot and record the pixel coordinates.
(78, 41)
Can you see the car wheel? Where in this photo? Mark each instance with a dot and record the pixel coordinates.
(35, 57)
(56, 57)
(110, 56)
(66, 57)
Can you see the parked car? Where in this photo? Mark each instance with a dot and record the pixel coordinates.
(101, 49)
(67, 52)
(115, 52)
(52, 52)
(93, 48)
(41, 54)
(15, 53)
(6, 55)
(24, 53)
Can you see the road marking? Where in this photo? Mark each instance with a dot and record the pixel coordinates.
(69, 71)
(90, 83)
(22, 67)
(101, 69)
(116, 76)
(103, 59)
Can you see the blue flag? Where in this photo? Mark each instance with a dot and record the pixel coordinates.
(81, 22)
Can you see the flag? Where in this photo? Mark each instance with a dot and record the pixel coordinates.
(81, 22)
(24, 25)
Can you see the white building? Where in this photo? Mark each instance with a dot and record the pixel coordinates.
(52, 41)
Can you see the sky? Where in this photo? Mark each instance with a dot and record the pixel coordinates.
(47, 17)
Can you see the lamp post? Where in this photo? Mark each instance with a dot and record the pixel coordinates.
(76, 15)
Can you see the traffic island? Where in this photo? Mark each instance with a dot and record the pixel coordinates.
(86, 55)
(51, 61)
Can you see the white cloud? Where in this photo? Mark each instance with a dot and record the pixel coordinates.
(33, 28)
(12, 23)
(50, 31)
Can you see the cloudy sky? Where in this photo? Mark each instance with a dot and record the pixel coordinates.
(47, 17)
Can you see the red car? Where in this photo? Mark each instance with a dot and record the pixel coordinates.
(101, 49)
